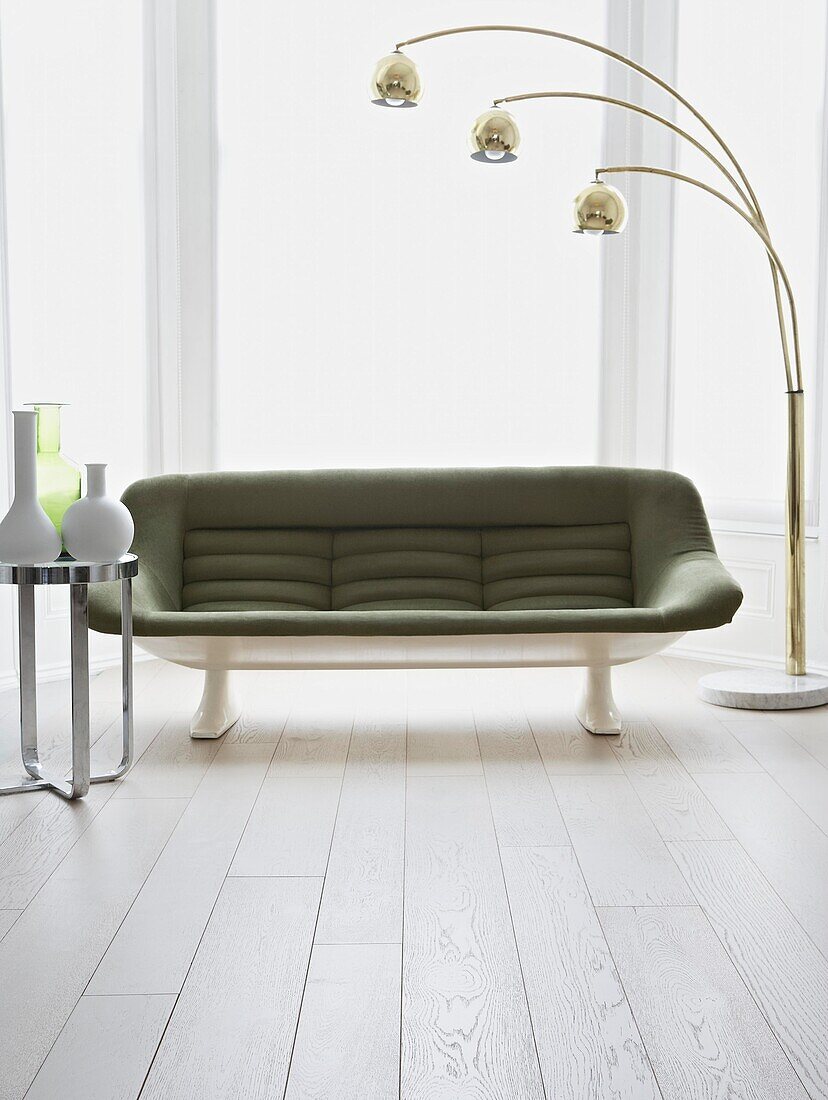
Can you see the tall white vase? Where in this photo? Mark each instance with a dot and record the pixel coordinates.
(27, 535)
(97, 527)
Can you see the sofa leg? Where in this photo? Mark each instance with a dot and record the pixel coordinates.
(219, 707)
(597, 710)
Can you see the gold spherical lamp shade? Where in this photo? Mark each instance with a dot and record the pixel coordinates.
(600, 208)
(396, 82)
(494, 138)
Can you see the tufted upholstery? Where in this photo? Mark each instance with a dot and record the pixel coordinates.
(385, 569)
(421, 552)
(556, 568)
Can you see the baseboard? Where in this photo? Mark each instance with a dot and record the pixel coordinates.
(47, 673)
(728, 657)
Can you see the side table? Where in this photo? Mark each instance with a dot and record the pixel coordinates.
(78, 575)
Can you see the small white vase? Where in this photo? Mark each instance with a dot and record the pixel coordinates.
(27, 535)
(96, 527)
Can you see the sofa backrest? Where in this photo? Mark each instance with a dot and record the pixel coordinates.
(450, 568)
(552, 537)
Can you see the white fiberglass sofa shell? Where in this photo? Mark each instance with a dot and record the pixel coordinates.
(217, 656)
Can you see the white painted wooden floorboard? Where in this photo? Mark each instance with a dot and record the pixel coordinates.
(315, 742)
(808, 728)
(14, 809)
(796, 771)
(566, 748)
(173, 765)
(7, 919)
(673, 800)
(155, 945)
(521, 797)
(703, 745)
(704, 1034)
(348, 1040)
(666, 689)
(290, 829)
(233, 1027)
(362, 898)
(784, 971)
(689, 671)
(30, 854)
(442, 739)
(150, 717)
(175, 682)
(587, 1040)
(106, 684)
(104, 1050)
(267, 699)
(789, 849)
(465, 1018)
(622, 856)
(49, 954)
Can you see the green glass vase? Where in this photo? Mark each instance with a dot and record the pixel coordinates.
(58, 478)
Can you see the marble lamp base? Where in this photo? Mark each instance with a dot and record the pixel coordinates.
(763, 689)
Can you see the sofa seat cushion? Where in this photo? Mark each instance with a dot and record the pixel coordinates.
(416, 622)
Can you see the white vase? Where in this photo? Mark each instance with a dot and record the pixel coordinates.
(97, 527)
(27, 535)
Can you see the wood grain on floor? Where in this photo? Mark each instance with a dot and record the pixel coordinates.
(704, 1032)
(420, 886)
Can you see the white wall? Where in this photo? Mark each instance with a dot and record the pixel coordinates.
(73, 248)
(383, 299)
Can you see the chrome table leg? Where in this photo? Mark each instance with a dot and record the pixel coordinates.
(28, 678)
(79, 627)
(126, 687)
(78, 785)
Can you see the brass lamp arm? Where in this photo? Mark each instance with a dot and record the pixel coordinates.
(702, 149)
(761, 232)
(627, 105)
(607, 52)
(653, 78)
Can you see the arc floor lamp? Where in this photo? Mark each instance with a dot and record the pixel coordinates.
(601, 208)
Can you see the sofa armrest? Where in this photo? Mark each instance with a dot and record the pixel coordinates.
(676, 570)
(693, 591)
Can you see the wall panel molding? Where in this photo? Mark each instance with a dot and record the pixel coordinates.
(758, 581)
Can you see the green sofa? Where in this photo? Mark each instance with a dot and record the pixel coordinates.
(414, 568)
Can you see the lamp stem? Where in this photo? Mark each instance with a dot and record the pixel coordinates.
(795, 537)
